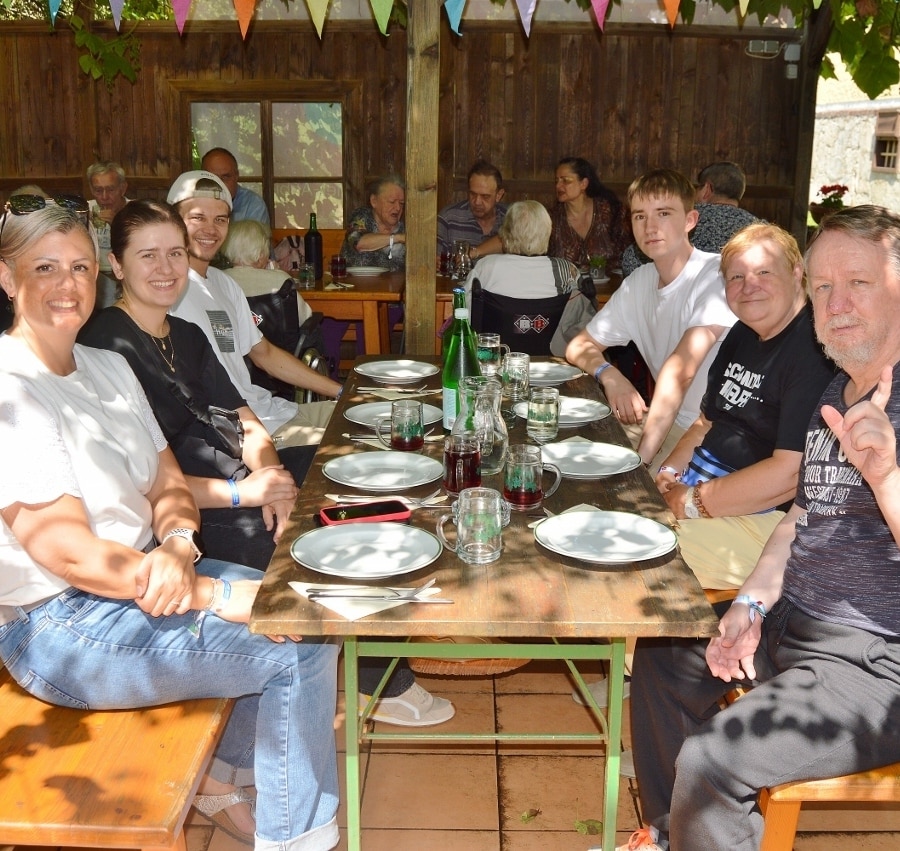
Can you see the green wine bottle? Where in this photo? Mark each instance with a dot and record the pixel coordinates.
(460, 358)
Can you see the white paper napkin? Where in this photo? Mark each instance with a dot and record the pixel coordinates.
(353, 610)
(333, 286)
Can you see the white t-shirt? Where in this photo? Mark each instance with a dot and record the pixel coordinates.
(218, 305)
(656, 318)
(518, 276)
(90, 434)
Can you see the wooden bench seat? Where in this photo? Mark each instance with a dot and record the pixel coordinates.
(119, 779)
(781, 804)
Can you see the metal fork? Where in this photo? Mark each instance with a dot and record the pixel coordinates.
(412, 502)
(385, 593)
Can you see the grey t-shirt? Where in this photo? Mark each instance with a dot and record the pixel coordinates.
(844, 565)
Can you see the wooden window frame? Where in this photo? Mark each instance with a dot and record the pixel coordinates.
(346, 92)
(887, 142)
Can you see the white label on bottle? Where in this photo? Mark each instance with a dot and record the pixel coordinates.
(450, 398)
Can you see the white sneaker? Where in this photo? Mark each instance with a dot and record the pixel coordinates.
(416, 707)
(600, 692)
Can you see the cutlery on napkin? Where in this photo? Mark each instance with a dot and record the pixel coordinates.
(374, 441)
(354, 608)
(424, 502)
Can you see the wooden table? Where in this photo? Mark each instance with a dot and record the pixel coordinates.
(366, 301)
(530, 594)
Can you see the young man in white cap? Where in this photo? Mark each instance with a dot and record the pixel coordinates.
(216, 303)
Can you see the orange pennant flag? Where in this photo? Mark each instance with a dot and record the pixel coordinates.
(382, 10)
(317, 10)
(244, 9)
(672, 11)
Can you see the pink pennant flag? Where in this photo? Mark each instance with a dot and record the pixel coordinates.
(382, 10)
(454, 13)
(317, 10)
(181, 9)
(672, 11)
(116, 6)
(244, 9)
(600, 8)
(526, 11)
(54, 10)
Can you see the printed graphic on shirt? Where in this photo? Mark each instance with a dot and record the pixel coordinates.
(222, 329)
(737, 388)
(257, 318)
(828, 478)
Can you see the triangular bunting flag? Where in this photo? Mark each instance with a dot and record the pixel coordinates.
(743, 5)
(54, 10)
(317, 10)
(244, 9)
(116, 6)
(382, 10)
(600, 7)
(526, 10)
(181, 9)
(672, 11)
(454, 13)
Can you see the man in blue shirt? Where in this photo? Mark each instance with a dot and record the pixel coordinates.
(478, 218)
(247, 204)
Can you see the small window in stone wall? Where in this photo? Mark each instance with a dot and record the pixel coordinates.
(887, 142)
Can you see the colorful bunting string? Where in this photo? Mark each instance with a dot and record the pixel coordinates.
(454, 13)
(245, 10)
(181, 9)
(672, 11)
(116, 7)
(600, 8)
(526, 10)
(382, 10)
(317, 10)
(54, 10)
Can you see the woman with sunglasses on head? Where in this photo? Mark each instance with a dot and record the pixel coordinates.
(103, 601)
(244, 494)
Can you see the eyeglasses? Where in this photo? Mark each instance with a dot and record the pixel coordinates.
(22, 205)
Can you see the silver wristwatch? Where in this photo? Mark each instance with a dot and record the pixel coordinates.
(191, 536)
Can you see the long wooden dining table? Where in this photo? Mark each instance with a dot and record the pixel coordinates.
(547, 606)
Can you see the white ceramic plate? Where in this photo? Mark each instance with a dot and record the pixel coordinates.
(573, 411)
(578, 459)
(398, 371)
(365, 271)
(367, 413)
(366, 550)
(546, 374)
(605, 537)
(383, 471)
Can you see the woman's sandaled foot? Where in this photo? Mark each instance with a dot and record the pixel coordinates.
(218, 809)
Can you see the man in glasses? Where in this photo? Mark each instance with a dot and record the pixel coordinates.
(108, 186)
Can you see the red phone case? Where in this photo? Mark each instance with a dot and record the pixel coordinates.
(381, 511)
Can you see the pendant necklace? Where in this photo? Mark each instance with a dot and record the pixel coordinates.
(163, 344)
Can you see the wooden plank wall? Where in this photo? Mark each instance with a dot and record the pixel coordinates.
(630, 99)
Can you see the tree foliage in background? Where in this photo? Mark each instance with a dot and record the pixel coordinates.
(865, 34)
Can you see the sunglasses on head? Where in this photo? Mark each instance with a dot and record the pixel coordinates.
(22, 205)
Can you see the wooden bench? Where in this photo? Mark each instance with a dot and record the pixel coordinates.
(119, 779)
(781, 804)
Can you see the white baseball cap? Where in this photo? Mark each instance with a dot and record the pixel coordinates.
(199, 184)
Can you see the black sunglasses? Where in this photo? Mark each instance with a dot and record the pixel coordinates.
(22, 205)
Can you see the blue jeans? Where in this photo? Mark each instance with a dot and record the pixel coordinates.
(88, 652)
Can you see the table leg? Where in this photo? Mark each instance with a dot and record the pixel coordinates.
(614, 742)
(351, 726)
(373, 333)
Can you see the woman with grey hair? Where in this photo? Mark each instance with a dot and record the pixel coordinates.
(523, 270)
(247, 249)
(377, 232)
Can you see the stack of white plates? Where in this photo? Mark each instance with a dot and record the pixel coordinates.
(573, 411)
(580, 459)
